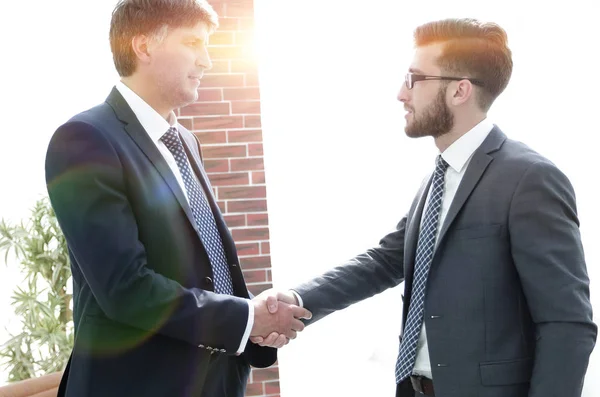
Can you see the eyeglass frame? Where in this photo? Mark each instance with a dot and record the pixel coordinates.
(424, 77)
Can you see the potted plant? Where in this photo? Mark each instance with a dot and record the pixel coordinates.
(42, 302)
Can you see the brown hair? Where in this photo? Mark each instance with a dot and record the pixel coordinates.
(131, 18)
(472, 49)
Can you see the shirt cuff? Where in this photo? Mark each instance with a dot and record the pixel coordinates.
(298, 298)
(248, 327)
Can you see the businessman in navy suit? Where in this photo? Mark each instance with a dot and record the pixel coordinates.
(496, 291)
(160, 305)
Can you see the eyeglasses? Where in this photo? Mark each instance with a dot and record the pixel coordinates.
(412, 78)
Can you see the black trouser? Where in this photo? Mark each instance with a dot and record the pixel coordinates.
(405, 389)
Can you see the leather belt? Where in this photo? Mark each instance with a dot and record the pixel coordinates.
(422, 385)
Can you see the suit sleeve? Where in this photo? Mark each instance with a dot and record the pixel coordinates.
(547, 251)
(362, 277)
(88, 192)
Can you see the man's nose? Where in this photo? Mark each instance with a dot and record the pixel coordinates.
(403, 94)
(204, 61)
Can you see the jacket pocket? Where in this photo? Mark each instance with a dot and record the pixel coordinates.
(507, 372)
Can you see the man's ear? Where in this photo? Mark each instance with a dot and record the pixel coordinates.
(141, 46)
(463, 92)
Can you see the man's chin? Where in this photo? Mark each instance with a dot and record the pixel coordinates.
(193, 95)
(189, 99)
(411, 133)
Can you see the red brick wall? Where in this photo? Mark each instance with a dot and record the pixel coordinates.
(227, 121)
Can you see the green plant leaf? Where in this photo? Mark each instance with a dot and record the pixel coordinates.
(46, 338)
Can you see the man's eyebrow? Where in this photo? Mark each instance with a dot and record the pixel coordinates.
(415, 70)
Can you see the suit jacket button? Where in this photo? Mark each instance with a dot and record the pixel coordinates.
(234, 265)
(208, 280)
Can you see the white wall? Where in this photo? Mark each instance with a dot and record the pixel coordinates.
(341, 172)
(55, 62)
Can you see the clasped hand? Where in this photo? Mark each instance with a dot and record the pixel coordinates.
(276, 318)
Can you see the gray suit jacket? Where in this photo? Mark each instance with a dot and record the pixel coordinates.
(507, 305)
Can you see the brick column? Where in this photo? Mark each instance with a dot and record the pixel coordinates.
(227, 121)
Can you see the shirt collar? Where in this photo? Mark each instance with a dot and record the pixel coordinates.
(154, 124)
(459, 153)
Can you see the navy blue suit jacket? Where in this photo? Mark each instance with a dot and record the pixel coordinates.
(146, 320)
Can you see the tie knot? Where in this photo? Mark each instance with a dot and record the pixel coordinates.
(171, 138)
(440, 164)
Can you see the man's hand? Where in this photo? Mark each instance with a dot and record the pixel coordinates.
(276, 318)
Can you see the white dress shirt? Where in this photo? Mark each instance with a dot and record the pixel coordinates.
(458, 155)
(156, 126)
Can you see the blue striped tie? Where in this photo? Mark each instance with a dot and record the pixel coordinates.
(425, 249)
(205, 220)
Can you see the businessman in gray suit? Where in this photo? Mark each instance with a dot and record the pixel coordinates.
(496, 293)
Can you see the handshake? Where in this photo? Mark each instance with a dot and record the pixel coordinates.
(276, 318)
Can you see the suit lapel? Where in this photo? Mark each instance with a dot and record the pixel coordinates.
(135, 130)
(479, 162)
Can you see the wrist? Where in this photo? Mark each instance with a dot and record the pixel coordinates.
(296, 297)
